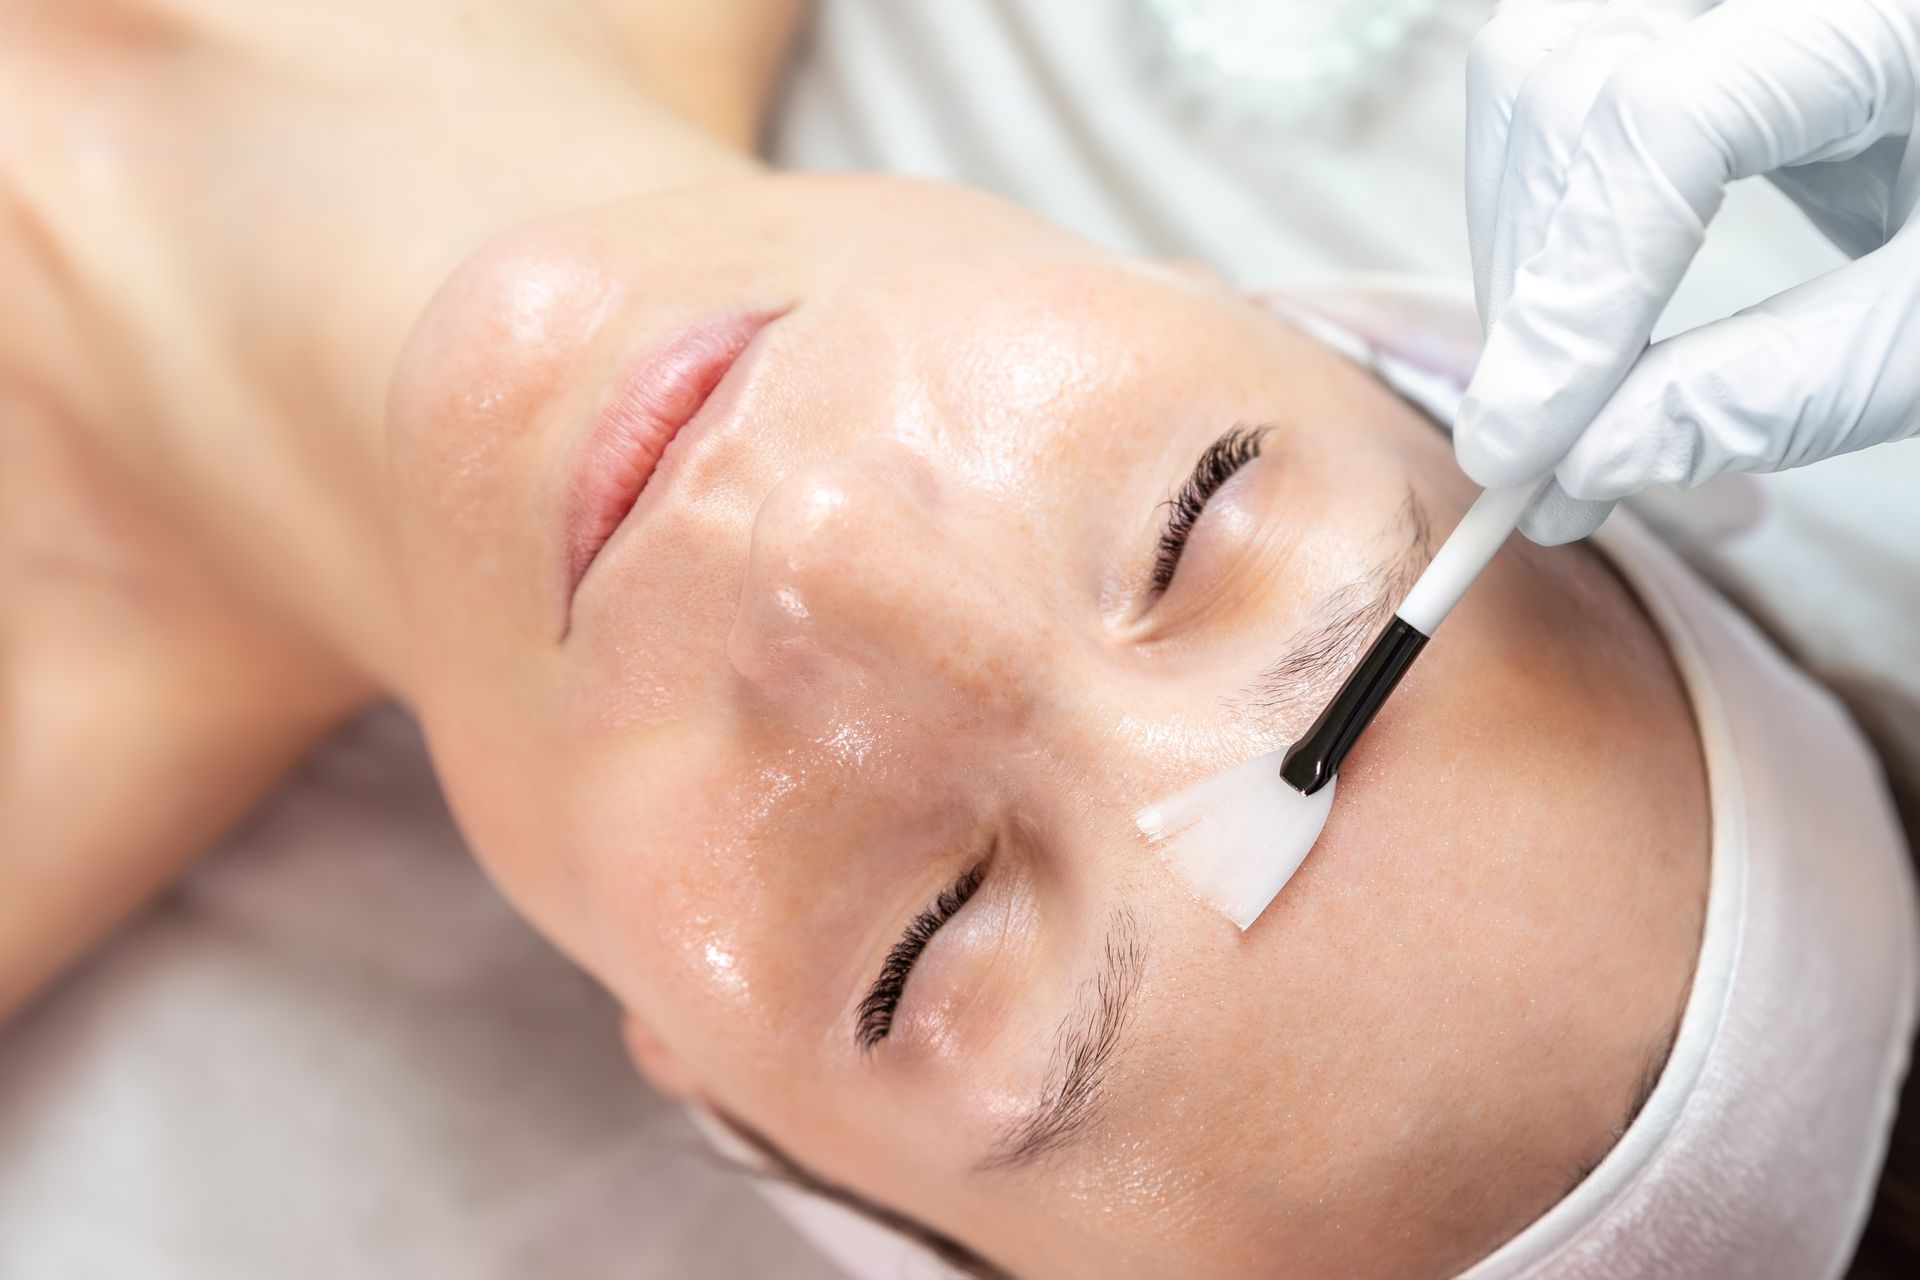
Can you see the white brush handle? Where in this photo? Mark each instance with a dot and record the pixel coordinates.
(1467, 550)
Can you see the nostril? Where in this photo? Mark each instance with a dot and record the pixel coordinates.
(769, 643)
(799, 538)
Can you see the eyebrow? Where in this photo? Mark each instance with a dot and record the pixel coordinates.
(1087, 1043)
(1293, 688)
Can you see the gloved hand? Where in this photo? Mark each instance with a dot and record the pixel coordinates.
(1599, 139)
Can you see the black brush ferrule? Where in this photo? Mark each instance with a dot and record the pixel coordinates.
(1311, 762)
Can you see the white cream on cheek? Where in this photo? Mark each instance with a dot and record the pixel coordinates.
(1236, 837)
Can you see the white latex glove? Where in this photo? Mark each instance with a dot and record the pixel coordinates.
(1600, 136)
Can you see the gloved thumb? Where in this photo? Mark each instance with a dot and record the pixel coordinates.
(1556, 517)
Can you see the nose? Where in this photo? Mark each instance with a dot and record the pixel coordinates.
(871, 575)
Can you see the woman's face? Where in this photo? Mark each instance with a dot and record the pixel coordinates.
(883, 632)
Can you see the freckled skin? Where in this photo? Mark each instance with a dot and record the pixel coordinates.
(887, 617)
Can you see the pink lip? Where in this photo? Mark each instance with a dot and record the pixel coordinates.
(662, 393)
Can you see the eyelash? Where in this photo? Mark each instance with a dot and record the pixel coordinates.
(876, 1011)
(1217, 465)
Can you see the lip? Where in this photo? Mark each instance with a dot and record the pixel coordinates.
(657, 398)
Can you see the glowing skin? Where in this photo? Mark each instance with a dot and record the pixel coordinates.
(886, 619)
(881, 616)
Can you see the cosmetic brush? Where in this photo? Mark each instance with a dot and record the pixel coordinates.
(1237, 836)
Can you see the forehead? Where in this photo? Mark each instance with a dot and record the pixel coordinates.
(1086, 343)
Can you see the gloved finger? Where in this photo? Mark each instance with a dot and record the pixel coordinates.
(1548, 119)
(1519, 36)
(1856, 204)
(1826, 367)
(1722, 97)
(1556, 516)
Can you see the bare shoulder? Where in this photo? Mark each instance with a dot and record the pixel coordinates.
(113, 634)
(142, 714)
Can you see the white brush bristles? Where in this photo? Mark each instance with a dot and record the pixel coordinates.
(1238, 835)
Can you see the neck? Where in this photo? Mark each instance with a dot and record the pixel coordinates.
(259, 305)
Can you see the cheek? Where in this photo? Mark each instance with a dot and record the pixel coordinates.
(700, 884)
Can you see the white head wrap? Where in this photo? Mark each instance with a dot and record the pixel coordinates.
(1757, 1153)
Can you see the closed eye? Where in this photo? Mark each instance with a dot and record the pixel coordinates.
(1218, 462)
(875, 1017)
